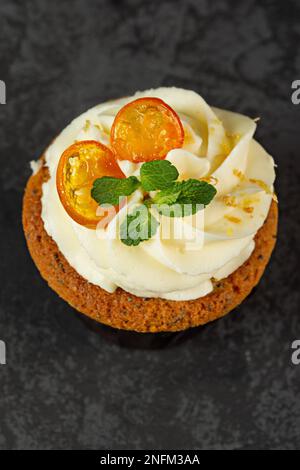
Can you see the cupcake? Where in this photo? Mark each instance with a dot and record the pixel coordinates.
(153, 213)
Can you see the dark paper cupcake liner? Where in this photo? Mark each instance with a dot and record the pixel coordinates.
(135, 340)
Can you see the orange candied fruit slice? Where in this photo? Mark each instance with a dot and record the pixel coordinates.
(79, 166)
(146, 129)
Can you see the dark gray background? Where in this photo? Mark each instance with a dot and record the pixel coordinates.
(232, 385)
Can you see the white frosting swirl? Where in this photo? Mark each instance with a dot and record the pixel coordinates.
(210, 245)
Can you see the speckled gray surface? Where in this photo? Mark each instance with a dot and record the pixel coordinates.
(230, 386)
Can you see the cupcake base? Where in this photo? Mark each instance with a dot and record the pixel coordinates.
(125, 311)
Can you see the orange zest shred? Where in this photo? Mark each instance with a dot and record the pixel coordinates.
(232, 219)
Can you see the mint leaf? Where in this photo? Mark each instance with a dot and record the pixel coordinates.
(195, 191)
(184, 198)
(167, 196)
(179, 210)
(138, 226)
(108, 190)
(158, 174)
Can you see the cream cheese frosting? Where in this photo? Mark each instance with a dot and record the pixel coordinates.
(210, 245)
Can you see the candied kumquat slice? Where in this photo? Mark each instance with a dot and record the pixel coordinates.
(79, 166)
(146, 129)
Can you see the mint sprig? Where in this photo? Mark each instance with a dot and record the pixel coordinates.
(184, 198)
(138, 226)
(167, 196)
(158, 174)
(109, 190)
(173, 198)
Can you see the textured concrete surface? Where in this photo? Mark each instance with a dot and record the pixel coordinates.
(230, 386)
